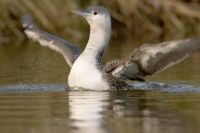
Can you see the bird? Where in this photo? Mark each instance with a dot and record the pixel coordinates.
(87, 70)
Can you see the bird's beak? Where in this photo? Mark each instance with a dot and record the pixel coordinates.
(82, 13)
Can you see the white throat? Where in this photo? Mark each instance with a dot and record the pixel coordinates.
(98, 41)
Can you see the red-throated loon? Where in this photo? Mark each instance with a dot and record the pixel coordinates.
(86, 70)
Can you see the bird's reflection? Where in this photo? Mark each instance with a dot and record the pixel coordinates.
(86, 109)
(99, 112)
(137, 111)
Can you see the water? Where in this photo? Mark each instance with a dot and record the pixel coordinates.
(99, 112)
(34, 97)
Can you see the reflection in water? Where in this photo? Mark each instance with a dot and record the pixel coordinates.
(98, 112)
(86, 108)
(138, 111)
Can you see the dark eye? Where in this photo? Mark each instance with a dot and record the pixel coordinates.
(95, 12)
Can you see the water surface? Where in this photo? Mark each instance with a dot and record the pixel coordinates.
(100, 112)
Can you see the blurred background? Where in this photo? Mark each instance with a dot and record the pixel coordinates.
(131, 18)
(134, 22)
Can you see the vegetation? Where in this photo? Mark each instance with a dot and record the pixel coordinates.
(171, 18)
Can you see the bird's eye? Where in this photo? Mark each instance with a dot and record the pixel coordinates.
(95, 12)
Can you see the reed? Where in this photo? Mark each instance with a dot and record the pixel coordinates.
(171, 18)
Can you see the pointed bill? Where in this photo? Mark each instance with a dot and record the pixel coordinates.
(82, 12)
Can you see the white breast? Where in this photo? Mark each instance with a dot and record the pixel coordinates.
(85, 74)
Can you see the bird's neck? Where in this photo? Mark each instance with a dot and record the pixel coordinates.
(97, 43)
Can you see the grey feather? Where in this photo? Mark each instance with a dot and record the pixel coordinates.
(69, 51)
(110, 66)
(149, 59)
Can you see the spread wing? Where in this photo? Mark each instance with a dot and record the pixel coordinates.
(69, 51)
(149, 59)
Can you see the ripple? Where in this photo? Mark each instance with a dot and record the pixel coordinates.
(154, 86)
(33, 87)
(177, 88)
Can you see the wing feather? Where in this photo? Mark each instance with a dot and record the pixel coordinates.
(69, 51)
(149, 59)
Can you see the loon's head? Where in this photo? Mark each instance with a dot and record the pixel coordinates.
(97, 16)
